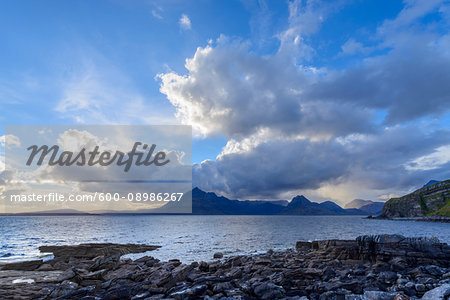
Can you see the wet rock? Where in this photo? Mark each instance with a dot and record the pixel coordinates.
(117, 293)
(234, 273)
(387, 277)
(105, 262)
(371, 267)
(302, 246)
(143, 295)
(96, 275)
(222, 287)
(420, 287)
(79, 293)
(203, 266)
(23, 265)
(183, 294)
(268, 290)
(67, 274)
(148, 261)
(334, 295)
(263, 261)
(180, 273)
(439, 293)
(174, 262)
(160, 277)
(355, 297)
(64, 288)
(434, 270)
(218, 255)
(349, 285)
(379, 295)
(45, 267)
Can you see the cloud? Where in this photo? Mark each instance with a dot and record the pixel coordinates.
(413, 11)
(431, 161)
(235, 93)
(305, 19)
(293, 127)
(156, 12)
(95, 91)
(185, 22)
(368, 162)
(351, 47)
(271, 167)
(409, 82)
(9, 140)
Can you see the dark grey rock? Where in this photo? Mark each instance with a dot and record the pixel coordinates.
(268, 290)
(379, 295)
(387, 277)
(92, 250)
(439, 293)
(222, 287)
(434, 270)
(420, 287)
(203, 266)
(67, 274)
(371, 267)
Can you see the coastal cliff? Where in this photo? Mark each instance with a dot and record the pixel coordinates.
(431, 200)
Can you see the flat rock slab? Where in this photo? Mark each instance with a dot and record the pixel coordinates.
(15, 284)
(22, 265)
(11, 277)
(92, 250)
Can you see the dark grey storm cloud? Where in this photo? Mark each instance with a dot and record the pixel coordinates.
(410, 82)
(274, 167)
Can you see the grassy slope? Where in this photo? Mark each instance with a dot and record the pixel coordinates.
(421, 202)
(443, 211)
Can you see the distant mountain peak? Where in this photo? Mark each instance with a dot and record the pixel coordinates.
(197, 192)
(299, 200)
(330, 205)
(431, 182)
(299, 197)
(196, 189)
(368, 206)
(358, 203)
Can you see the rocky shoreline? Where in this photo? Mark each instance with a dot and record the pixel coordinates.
(370, 267)
(433, 219)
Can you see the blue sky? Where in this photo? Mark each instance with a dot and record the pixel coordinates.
(360, 73)
(43, 45)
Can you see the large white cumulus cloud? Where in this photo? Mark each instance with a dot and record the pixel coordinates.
(233, 92)
(293, 127)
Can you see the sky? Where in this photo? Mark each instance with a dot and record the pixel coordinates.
(335, 100)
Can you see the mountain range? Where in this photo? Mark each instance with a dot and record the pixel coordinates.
(368, 206)
(208, 203)
(433, 199)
